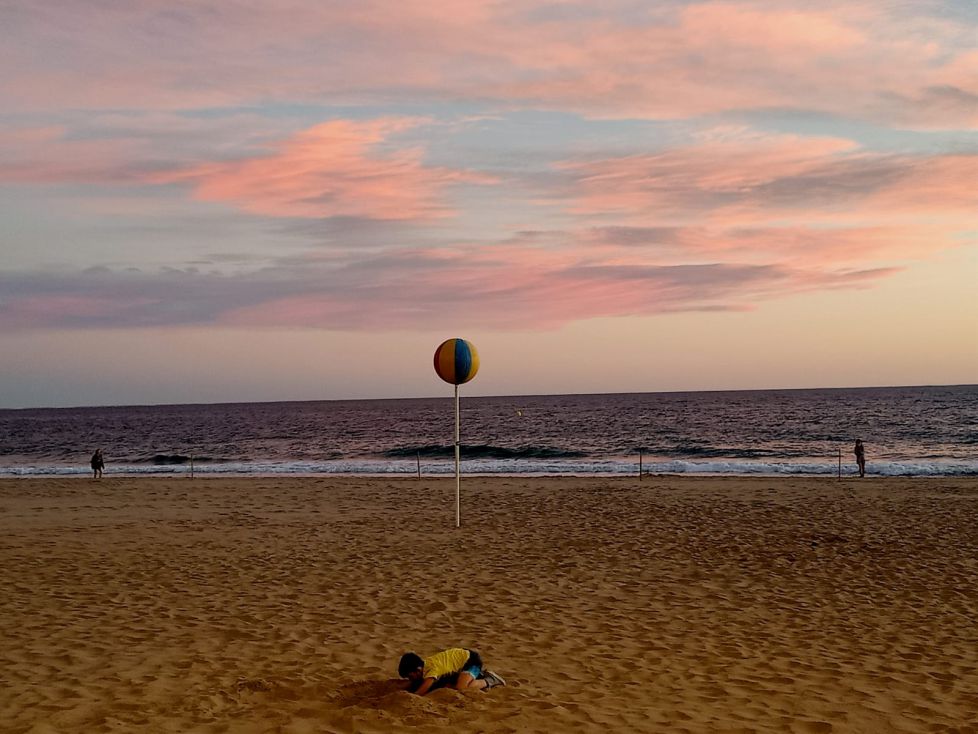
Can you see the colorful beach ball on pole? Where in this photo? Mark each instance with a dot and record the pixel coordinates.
(456, 361)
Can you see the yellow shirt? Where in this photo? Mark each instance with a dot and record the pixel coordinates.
(445, 662)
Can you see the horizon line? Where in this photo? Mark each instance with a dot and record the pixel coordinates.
(478, 397)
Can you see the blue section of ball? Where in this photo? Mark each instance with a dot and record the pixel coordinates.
(463, 361)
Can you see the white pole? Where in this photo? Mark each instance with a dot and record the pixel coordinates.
(458, 480)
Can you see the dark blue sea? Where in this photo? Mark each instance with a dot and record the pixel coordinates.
(907, 431)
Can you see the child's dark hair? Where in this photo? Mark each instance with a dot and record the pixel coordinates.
(409, 663)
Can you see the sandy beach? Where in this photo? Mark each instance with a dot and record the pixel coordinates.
(663, 605)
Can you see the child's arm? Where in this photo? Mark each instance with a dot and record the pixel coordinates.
(425, 686)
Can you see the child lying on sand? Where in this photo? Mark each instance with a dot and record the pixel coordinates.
(456, 667)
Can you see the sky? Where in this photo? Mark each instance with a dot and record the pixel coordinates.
(299, 200)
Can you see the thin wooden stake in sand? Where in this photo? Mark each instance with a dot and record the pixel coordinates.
(458, 478)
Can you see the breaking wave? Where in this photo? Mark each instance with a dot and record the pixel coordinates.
(484, 451)
(178, 460)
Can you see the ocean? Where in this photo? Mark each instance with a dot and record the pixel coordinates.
(924, 431)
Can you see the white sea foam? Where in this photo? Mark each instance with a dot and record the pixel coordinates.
(618, 467)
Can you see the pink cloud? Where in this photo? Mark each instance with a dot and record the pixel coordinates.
(676, 183)
(332, 169)
(945, 183)
(771, 29)
(522, 284)
(509, 287)
(800, 203)
(338, 168)
(853, 59)
(122, 148)
(795, 246)
(722, 223)
(32, 311)
(712, 57)
(753, 181)
(45, 155)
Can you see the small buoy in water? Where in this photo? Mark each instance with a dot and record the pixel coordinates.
(519, 413)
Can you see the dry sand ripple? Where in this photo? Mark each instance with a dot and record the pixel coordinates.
(662, 605)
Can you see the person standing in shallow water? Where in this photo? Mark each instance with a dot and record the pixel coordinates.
(98, 464)
(860, 453)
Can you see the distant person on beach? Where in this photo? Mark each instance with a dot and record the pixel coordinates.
(456, 668)
(860, 453)
(98, 464)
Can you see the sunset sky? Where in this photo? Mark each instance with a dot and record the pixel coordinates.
(249, 200)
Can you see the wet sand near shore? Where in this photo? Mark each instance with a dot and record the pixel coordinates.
(667, 604)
